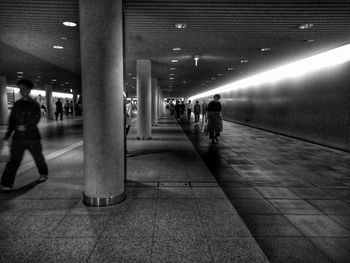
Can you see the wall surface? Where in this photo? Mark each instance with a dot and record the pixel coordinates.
(315, 107)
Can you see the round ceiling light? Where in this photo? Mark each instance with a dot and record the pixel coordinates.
(181, 25)
(70, 24)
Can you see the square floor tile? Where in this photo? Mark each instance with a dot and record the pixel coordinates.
(337, 249)
(126, 249)
(208, 192)
(130, 225)
(343, 220)
(290, 207)
(178, 225)
(270, 225)
(291, 249)
(241, 193)
(318, 226)
(224, 225)
(80, 226)
(332, 206)
(236, 249)
(253, 206)
(141, 192)
(17, 250)
(176, 206)
(175, 192)
(277, 192)
(180, 249)
(311, 193)
(63, 250)
(136, 207)
(215, 206)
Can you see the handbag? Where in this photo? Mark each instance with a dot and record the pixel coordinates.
(5, 151)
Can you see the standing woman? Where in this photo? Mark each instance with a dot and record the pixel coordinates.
(214, 112)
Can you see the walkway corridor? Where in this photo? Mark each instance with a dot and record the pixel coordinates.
(294, 196)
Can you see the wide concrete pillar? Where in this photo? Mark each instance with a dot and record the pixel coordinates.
(49, 108)
(3, 101)
(154, 105)
(143, 82)
(101, 40)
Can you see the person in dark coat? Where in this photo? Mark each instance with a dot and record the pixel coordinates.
(23, 122)
(214, 112)
(59, 109)
(178, 110)
(197, 111)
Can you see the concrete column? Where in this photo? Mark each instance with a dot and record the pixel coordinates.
(101, 40)
(154, 102)
(3, 101)
(143, 82)
(75, 100)
(159, 103)
(49, 108)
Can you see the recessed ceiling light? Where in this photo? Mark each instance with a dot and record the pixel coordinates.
(180, 25)
(133, 77)
(64, 38)
(212, 78)
(244, 61)
(174, 60)
(171, 78)
(177, 48)
(20, 77)
(71, 90)
(39, 77)
(305, 26)
(67, 83)
(54, 80)
(220, 74)
(172, 68)
(309, 40)
(57, 47)
(70, 24)
(20, 72)
(172, 74)
(230, 69)
(264, 49)
(207, 81)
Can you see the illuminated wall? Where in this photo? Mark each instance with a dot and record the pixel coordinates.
(314, 106)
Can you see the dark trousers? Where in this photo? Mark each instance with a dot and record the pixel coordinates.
(177, 114)
(189, 113)
(59, 113)
(196, 117)
(17, 151)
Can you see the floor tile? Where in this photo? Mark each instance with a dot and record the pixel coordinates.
(176, 206)
(18, 250)
(224, 225)
(175, 192)
(236, 249)
(333, 207)
(337, 249)
(294, 207)
(180, 249)
(270, 225)
(141, 192)
(343, 220)
(241, 193)
(276, 192)
(311, 193)
(126, 249)
(208, 192)
(253, 206)
(318, 226)
(215, 206)
(291, 250)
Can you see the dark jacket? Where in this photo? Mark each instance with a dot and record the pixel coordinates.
(26, 113)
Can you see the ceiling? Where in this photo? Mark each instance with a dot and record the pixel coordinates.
(222, 33)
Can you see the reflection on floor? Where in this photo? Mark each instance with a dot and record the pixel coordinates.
(175, 211)
(294, 196)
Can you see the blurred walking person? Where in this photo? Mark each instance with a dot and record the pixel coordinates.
(214, 112)
(59, 109)
(23, 122)
(189, 109)
(197, 111)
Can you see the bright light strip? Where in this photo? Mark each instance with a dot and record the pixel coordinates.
(36, 92)
(71, 24)
(174, 60)
(57, 47)
(296, 69)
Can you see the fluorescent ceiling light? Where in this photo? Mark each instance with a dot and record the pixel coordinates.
(305, 26)
(174, 60)
(57, 47)
(54, 80)
(70, 24)
(244, 61)
(220, 74)
(295, 69)
(309, 40)
(264, 49)
(180, 25)
(64, 38)
(20, 72)
(177, 48)
(230, 69)
(172, 68)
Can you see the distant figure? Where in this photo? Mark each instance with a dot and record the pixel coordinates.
(189, 109)
(178, 110)
(204, 109)
(66, 108)
(59, 109)
(23, 122)
(171, 107)
(182, 109)
(214, 119)
(43, 110)
(197, 111)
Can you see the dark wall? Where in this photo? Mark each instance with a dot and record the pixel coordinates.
(315, 107)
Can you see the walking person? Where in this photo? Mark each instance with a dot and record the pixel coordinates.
(23, 122)
(178, 110)
(66, 108)
(214, 119)
(182, 109)
(59, 109)
(189, 109)
(197, 111)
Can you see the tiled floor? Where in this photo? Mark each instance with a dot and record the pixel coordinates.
(175, 211)
(294, 196)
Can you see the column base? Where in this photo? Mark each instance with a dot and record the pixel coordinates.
(144, 138)
(105, 201)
